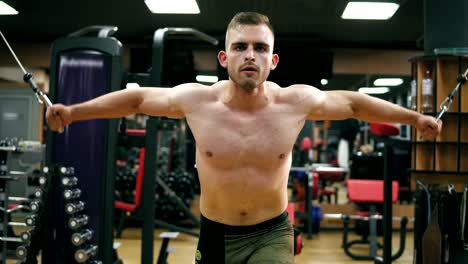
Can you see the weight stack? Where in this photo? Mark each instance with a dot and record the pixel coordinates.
(82, 68)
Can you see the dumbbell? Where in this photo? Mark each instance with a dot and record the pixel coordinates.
(95, 262)
(69, 181)
(21, 252)
(67, 170)
(30, 220)
(42, 180)
(77, 222)
(72, 208)
(35, 205)
(69, 194)
(45, 170)
(26, 235)
(83, 254)
(78, 239)
(38, 193)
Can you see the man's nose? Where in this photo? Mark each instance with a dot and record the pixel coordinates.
(249, 54)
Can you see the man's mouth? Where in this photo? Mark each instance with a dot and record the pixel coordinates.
(249, 69)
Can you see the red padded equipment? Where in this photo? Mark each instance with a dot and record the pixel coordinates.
(384, 129)
(306, 144)
(369, 191)
(131, 207)
(290, 211)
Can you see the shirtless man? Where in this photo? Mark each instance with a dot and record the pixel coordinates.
(245, 129)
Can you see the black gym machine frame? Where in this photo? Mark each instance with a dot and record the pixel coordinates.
(108, 46)
(112, 48)
(153, 126)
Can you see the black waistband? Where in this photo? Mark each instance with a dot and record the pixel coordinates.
(205, 222)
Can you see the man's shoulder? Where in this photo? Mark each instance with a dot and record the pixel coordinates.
(196, 91)
(192, 88)
(299, 87)
(296, 91)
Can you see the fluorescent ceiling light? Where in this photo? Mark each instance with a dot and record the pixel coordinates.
(374, 90)
(206, 78)
(173, 6)
(370, 10)
(388, 82)
(5, 9)
(324, 81)
(132, 85)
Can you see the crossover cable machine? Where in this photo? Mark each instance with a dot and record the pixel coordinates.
(153, 126)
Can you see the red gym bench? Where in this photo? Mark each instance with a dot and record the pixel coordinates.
(370, 192)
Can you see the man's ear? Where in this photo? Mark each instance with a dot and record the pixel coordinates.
(274, 61)
(222, 58)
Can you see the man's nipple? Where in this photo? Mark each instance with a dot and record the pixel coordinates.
(209, 154)
(281, 156)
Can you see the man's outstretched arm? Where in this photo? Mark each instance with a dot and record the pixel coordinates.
(336, 105)
(151, 101)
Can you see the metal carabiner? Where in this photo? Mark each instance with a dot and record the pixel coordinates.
(444, 107)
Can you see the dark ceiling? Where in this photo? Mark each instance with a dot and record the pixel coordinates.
(315, 22)
(318, 20)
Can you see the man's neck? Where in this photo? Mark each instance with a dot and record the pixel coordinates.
(235, 96)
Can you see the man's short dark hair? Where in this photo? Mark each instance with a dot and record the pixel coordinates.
(250, 18)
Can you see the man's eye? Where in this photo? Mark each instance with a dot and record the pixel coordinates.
(260, 49)
(239, 48)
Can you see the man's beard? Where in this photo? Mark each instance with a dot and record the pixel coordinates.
(248, 85)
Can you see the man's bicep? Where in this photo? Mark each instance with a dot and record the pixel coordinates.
(160, 102)
(332, 105)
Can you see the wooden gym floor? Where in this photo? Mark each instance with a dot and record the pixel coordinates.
(322, 248)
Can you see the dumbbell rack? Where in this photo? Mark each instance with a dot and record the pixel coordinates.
(8, 148)
(84, 251)
(39, 207)
(28, 251)
(4, 193)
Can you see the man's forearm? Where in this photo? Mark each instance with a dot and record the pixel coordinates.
(112, 105)
(372, 109)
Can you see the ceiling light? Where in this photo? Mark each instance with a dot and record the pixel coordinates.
(173, 6)
(324, 81)
(206, 78)
(374, 90)
(132, 85)
(388, 82)
(370, 10)
(5, 9)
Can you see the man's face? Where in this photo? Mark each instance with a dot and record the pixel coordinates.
(249, 55)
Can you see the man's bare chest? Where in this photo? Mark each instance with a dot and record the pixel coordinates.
(260, 137)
